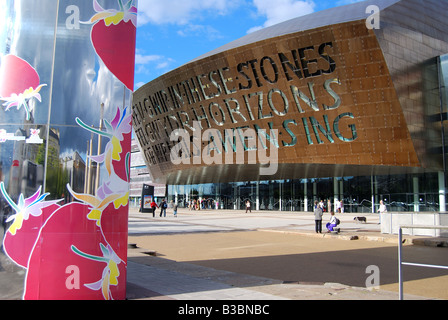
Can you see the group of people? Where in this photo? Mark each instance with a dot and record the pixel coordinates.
(318, 214)
(163, 206)
(202, 204)
(327, 206)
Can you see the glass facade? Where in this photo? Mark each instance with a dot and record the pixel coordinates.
(65, 132)
(399, 192)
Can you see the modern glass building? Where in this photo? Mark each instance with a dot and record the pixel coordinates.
(344, 104)
(66, 77)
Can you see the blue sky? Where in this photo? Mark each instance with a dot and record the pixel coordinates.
(170, 33)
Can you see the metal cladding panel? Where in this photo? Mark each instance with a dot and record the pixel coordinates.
(412, 37)
(328, 91)
(337, 15)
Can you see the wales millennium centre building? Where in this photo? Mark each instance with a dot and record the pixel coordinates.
(346, 104)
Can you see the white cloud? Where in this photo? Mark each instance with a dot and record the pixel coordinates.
(200, 31)
(277, 11)
(138, 85)
(143, 63)
(163, 65)
(181, 12)
(142, 59)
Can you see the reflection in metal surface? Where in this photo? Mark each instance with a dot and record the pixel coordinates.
(51, 72)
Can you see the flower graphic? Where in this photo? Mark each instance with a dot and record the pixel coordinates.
(127, 12)
(25, 207)
(114, 131)
(97, 205)
(110, 273)
(114, 189)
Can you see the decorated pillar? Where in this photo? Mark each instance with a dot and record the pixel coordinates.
(66, 78)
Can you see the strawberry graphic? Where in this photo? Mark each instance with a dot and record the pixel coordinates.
(19, 83)
(71, 241)
(90, 238)
(18, 247)
(113, 38)
(30, 214)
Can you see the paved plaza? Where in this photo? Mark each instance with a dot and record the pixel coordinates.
(233, 255)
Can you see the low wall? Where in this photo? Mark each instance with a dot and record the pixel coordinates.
(391, 221)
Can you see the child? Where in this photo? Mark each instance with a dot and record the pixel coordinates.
(175, 209)
(248, 206)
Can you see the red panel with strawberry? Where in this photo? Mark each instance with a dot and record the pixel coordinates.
(113, 37)
(79, 250)
(74, 264)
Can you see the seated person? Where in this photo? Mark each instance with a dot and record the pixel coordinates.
(331, 226)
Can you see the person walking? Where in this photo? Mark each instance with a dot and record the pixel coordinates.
(337, 206)
(163, 207)
(248, 206)
(175, 209)
(381, 210)
(153, 207)
(318, 213)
